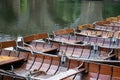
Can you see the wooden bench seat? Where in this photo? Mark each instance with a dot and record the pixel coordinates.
(3, 58)
(83, 27)
(6, 60)
(112, 19)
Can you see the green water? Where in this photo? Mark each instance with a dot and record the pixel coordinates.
(25, 17)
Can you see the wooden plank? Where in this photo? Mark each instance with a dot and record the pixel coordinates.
(6, 60)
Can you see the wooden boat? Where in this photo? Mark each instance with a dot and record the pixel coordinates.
(96, 33)
(101, 25)
(112, 19)
(107, 26)
(84, 27)
(37, 43)
(66, 36)
(118, 18)
(100, 38)
(90, 30)
(44, 67)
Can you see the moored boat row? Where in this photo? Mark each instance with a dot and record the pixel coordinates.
(66, 54)
(46, 67)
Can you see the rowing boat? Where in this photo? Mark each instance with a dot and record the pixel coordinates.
(37, 43)
(107, 26)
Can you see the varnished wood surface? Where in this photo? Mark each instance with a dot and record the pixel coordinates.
(4, 60)
(29, 44)
(63, 31)
(30, 38)
(52, 65)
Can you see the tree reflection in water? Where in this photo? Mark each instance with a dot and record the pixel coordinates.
(25, 17)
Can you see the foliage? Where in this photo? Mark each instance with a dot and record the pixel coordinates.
(23, 6)
(111, 9)
(66, 11)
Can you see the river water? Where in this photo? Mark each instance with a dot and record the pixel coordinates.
(25, 17)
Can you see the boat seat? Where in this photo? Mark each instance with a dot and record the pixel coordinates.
(111, 19)
(118, 18)
(30, 44)
(7, 48)
(85, 26)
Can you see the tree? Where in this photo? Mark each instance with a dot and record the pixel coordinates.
(91, 11)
